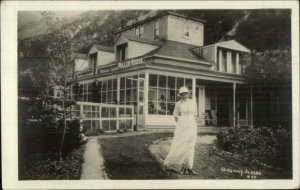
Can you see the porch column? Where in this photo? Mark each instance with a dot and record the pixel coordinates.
(118, 90)
(194, 89)
(229, 60)
(234, 117)
(220, 68)
(251, 108)
(237, 63)
(118, 100)
(146, 88)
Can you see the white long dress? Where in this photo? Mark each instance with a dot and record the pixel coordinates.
(185, 134)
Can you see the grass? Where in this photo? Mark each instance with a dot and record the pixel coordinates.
(130, 158)
(46, 166)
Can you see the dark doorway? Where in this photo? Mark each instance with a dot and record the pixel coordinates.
(223, 102)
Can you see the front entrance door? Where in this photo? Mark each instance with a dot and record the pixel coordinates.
(223, 107)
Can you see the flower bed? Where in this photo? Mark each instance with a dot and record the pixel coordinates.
(264, 144)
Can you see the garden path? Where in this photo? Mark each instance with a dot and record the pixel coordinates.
(93, 166)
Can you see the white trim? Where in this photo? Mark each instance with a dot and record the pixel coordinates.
(179, 59)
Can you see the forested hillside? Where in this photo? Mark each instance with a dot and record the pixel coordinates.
(257, 29)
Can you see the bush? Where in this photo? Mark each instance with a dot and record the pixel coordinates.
(46, 166)
(264, 144)
(38, 137)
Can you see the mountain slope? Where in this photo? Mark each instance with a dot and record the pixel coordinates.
(256, 29)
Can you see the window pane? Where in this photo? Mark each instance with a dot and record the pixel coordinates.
(141, 95)
(153, 80)
(103, 97)
(134, 82)
(161, 108)
(105, 125)
(170, 108)
(113, 112)
(162, 94)
(109, 84)
(128, 95)
(137, 31)
(180, 82)
(115, 84)
(162, 81)
(122, 95)
(189, 84)
(109, 97)
(152, 94)
(171, 82)
(104, 87)
(171, 96)
(134, 95)
(99, 86)
(113, 125)
(121, 112)
(122, 83)
(128, 82)
(152, 107)
(104, 112)
(141, 109)
(115, 99)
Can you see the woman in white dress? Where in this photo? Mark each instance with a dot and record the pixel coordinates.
(183, 144)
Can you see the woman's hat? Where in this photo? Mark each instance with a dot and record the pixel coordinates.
(183, 90)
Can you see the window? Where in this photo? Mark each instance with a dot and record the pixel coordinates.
(156, 29)
(186, 29)
(163, 91)
(93, 62)
(121, 52)
(141, 34)
(129, 91)
(139, 31)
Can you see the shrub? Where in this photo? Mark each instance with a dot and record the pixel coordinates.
(46, 166)
(268, 145)
(38, 137)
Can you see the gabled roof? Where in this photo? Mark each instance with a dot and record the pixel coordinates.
(104, 48)
(178, 50)
(232, 44)
(141, 40)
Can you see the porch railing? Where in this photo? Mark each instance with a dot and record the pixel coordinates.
(106, 117)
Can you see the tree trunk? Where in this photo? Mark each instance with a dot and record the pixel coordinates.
(65, 123)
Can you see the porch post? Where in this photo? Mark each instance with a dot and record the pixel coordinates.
(237, 63)
(251, 108)
(220, 68)
(234, 117)
(118, 100)
(194, 89)
(146, 87)
(229, 60)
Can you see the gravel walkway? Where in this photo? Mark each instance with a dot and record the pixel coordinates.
(93, 166)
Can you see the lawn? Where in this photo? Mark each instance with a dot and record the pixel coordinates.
(130, 158)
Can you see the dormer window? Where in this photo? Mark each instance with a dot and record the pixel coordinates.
(186, 29)
(156, 29)
(139, 31)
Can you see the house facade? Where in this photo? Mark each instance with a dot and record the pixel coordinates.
(153, 58)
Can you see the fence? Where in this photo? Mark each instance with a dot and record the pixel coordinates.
(106, 117)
